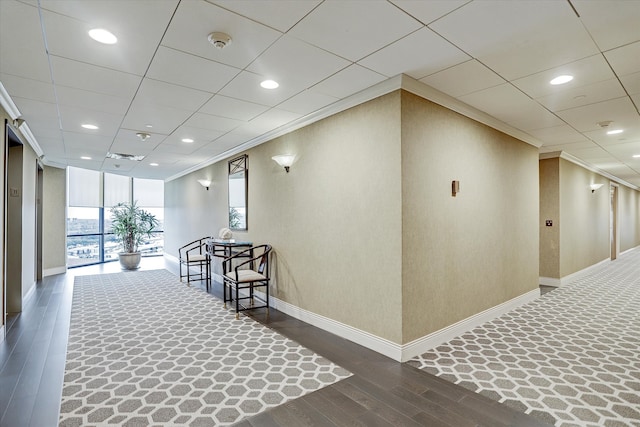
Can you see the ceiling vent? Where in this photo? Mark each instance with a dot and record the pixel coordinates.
(219, 40)
(123, 156)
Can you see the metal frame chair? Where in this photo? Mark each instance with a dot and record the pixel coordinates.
(195, 254)
(243, 276)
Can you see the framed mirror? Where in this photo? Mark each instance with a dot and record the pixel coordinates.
(238, 191)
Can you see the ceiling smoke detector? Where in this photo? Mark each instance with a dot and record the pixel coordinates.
(143, 136)
(219, 40)
(604, 123)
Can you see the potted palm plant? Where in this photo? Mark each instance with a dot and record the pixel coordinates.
(131, 224)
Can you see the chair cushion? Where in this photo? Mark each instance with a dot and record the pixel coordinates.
(196, 257)
(246, 276)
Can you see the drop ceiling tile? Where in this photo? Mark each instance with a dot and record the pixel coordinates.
(357, 28)
(566, 147)
(624, 60)
(36, 90)
(281, 16)
(163, 159)
(586, 71)
(180, 68)
(583, 95)
(200, 136)
(626, 151)
(92, 100)
(631, 83)
(139, 28)
(225, 142)
(92, 78)
(272, 119)
(129, 136)
(183, 149)
(351, 80)
(419, 54)
(232, 108)
(22, 50)
(429, 11)
(290, 61)
(73, 117)
(85, 164)
(517, 38)
(601, 16)
(556, 135)
(193, 22)
(508, 104)
(246, 87)
(39, 115)
(127, 146)
(76, 140)
(163, 119)
(631, 132)
(213, 123)
(170, 95)
(122, 166)
(462, 79)
(307, 102)
(586, 118)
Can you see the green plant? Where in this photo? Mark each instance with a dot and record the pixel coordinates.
(131, 224)
(234, 218)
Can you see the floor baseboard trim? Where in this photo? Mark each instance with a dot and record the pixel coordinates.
(426, 343)
(564, 281)
(30, 293)
(549, 281)
(2, 330)
(53, 271)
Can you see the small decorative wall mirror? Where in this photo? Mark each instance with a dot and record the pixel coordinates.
(238, 191)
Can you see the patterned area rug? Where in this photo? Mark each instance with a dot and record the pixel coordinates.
(144, 349)
(570, 358)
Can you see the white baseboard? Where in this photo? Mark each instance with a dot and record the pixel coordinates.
(434, 339)
(30, 293)
(551, 281)
(2, 334)
(395, 351)
(53, 271)
(628, 250)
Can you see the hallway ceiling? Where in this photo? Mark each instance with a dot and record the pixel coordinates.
(497, 56)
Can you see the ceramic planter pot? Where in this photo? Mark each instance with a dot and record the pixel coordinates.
(130, 261)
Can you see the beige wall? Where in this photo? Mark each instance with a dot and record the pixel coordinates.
(54, 202)
(550, 210)
(580, 236)
(29, 175)
(584, 218)
(463, 254)
(334, 221)
(628, 217)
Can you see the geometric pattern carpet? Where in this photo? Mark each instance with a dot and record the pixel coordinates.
(144, 349)
(570, 358)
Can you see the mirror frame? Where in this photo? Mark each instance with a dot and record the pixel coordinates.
(239, 164)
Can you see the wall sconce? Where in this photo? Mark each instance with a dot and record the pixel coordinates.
(285, 160)
(205, 183)
(594, 187)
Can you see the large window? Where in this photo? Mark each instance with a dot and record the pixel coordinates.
(91, 196)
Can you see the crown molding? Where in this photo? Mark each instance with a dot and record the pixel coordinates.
(7, 103)
(570, 158)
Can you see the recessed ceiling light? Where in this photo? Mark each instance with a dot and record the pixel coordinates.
(148, 126)
(637, 156)
(85, 158)
(103, 36)
(269, 84)
(187, 140)
(560, 80)
(153, 164)
(90, 126)
(614, 131)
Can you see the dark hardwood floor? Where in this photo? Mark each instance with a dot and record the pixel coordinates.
(381, 392)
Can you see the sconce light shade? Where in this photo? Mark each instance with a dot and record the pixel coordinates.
(285, 160)
(594, 187)
(205, 183)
